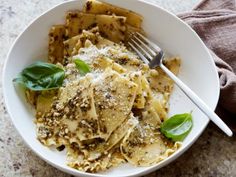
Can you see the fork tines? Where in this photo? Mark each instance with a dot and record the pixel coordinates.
(145, 48)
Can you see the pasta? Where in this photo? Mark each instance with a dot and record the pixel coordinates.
(97, 7)
(111, 26)
(112, 113)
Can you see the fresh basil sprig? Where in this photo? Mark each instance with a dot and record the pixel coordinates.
(82, 66)
(177, 127)
(41, 76)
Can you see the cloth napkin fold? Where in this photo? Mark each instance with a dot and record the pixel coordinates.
(215, 22)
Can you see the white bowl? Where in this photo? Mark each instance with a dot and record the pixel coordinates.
(198, 71)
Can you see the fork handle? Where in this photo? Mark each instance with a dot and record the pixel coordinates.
(198, 102)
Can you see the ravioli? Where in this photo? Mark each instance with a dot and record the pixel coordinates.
(80, 114)
(78, 42)
(111, 27)
(139, 101)
(56, 46)
(111, 113)
(75, 159)
(145, 145)
(114, 96)
(73, 44)
(97, 7)
(103, 148)
(44, 102)
(165, 84)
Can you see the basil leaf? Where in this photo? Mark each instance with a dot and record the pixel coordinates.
(177, 127)
(82, 66)
(41, 76)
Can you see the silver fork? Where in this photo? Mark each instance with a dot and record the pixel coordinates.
(153, 55)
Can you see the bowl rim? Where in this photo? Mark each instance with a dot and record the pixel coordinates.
(77, 172)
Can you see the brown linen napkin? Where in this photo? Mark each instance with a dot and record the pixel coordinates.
(215, 22)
